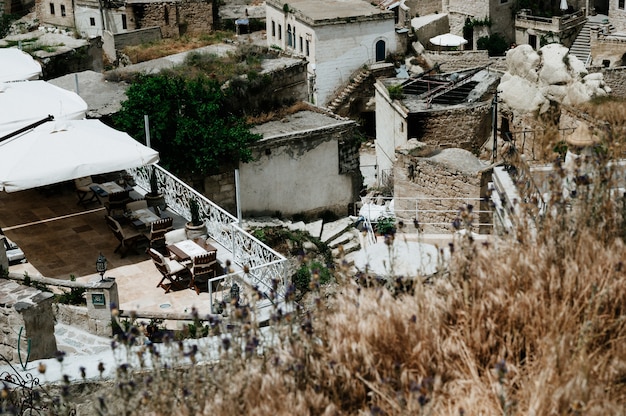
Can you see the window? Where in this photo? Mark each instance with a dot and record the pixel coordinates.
(124, 23)
(63, 10)
(273, 29)
(51, 8)
(289, 36)
(92, 21)
(620, 4)
(280, 32)
(308, 47)
(301, 43)
(166, 14)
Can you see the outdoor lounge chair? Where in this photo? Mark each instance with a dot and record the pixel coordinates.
(129, 240)
(83, 189)
(174, 274)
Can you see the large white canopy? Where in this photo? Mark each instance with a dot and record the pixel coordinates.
(17, 65)
(448, 39)
(58, 151)
(25, 102)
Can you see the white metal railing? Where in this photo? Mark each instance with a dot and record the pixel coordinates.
(426, 211)
(264, 266)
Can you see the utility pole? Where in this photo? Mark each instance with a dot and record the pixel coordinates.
(494, 123)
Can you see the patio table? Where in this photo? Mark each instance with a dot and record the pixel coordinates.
(142, 218)
(187, 249)
(102, 190)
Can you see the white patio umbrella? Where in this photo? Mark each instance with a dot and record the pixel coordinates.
(58, 151)
(25, 102)
(564, 5)
(18, 65)
(448, 39)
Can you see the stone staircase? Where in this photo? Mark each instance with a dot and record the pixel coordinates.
(581, 48)
(345, 94)
(341, 233)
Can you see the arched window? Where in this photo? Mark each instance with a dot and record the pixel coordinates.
(289, 36)
(380, 50)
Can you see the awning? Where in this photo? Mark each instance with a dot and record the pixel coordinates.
(57, 151)
(17, 65)
(24, 102)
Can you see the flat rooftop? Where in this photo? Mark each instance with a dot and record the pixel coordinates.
(298, 122)
(329, 11)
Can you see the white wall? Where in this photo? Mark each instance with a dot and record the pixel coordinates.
(342, 49)
(336, 51)
(294, 180)
(112, 17)
(391, 128)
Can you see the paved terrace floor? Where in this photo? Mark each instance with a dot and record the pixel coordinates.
(61, 239)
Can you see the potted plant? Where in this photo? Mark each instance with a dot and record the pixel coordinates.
(196, 228)
(155, 198)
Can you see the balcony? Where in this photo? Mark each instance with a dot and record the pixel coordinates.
(62, 239)
(555, 24)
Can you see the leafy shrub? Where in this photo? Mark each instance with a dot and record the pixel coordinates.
(386, 226)
(495, 44)
(310, 276)
(395, 92)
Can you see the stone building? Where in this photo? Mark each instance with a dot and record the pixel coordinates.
(27, 322)
(431, 184)
(336, 38)
(91, 18)
(446, 110)
(475, 19)
(306, 163)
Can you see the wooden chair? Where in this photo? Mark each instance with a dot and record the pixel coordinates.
(157, 232)
(202, 269)
(173, 273)
(84, 192)
(128, 239)
(117, 203)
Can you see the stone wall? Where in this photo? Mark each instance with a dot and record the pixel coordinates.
(618, 16)
(113, 42)
(76, 316)
(616, 79)
(221, 190)
(175, 19)
(29, 309)
(432, 185)
(607, 50)
(459, 60)
(432, 29)
(423, 7)
(466, 127)
(64, 18)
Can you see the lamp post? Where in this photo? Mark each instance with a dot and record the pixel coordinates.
(101, 266)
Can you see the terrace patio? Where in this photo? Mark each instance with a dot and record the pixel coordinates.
(62, 239)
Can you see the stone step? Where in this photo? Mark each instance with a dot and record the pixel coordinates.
(332, 230)
(347, 248)
(349, 235)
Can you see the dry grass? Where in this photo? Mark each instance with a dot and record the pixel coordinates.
(170, 46)
(534, 324)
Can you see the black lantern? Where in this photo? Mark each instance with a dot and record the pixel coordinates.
(101, 265)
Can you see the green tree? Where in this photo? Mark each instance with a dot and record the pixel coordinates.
(495, 44)
(189, 123)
